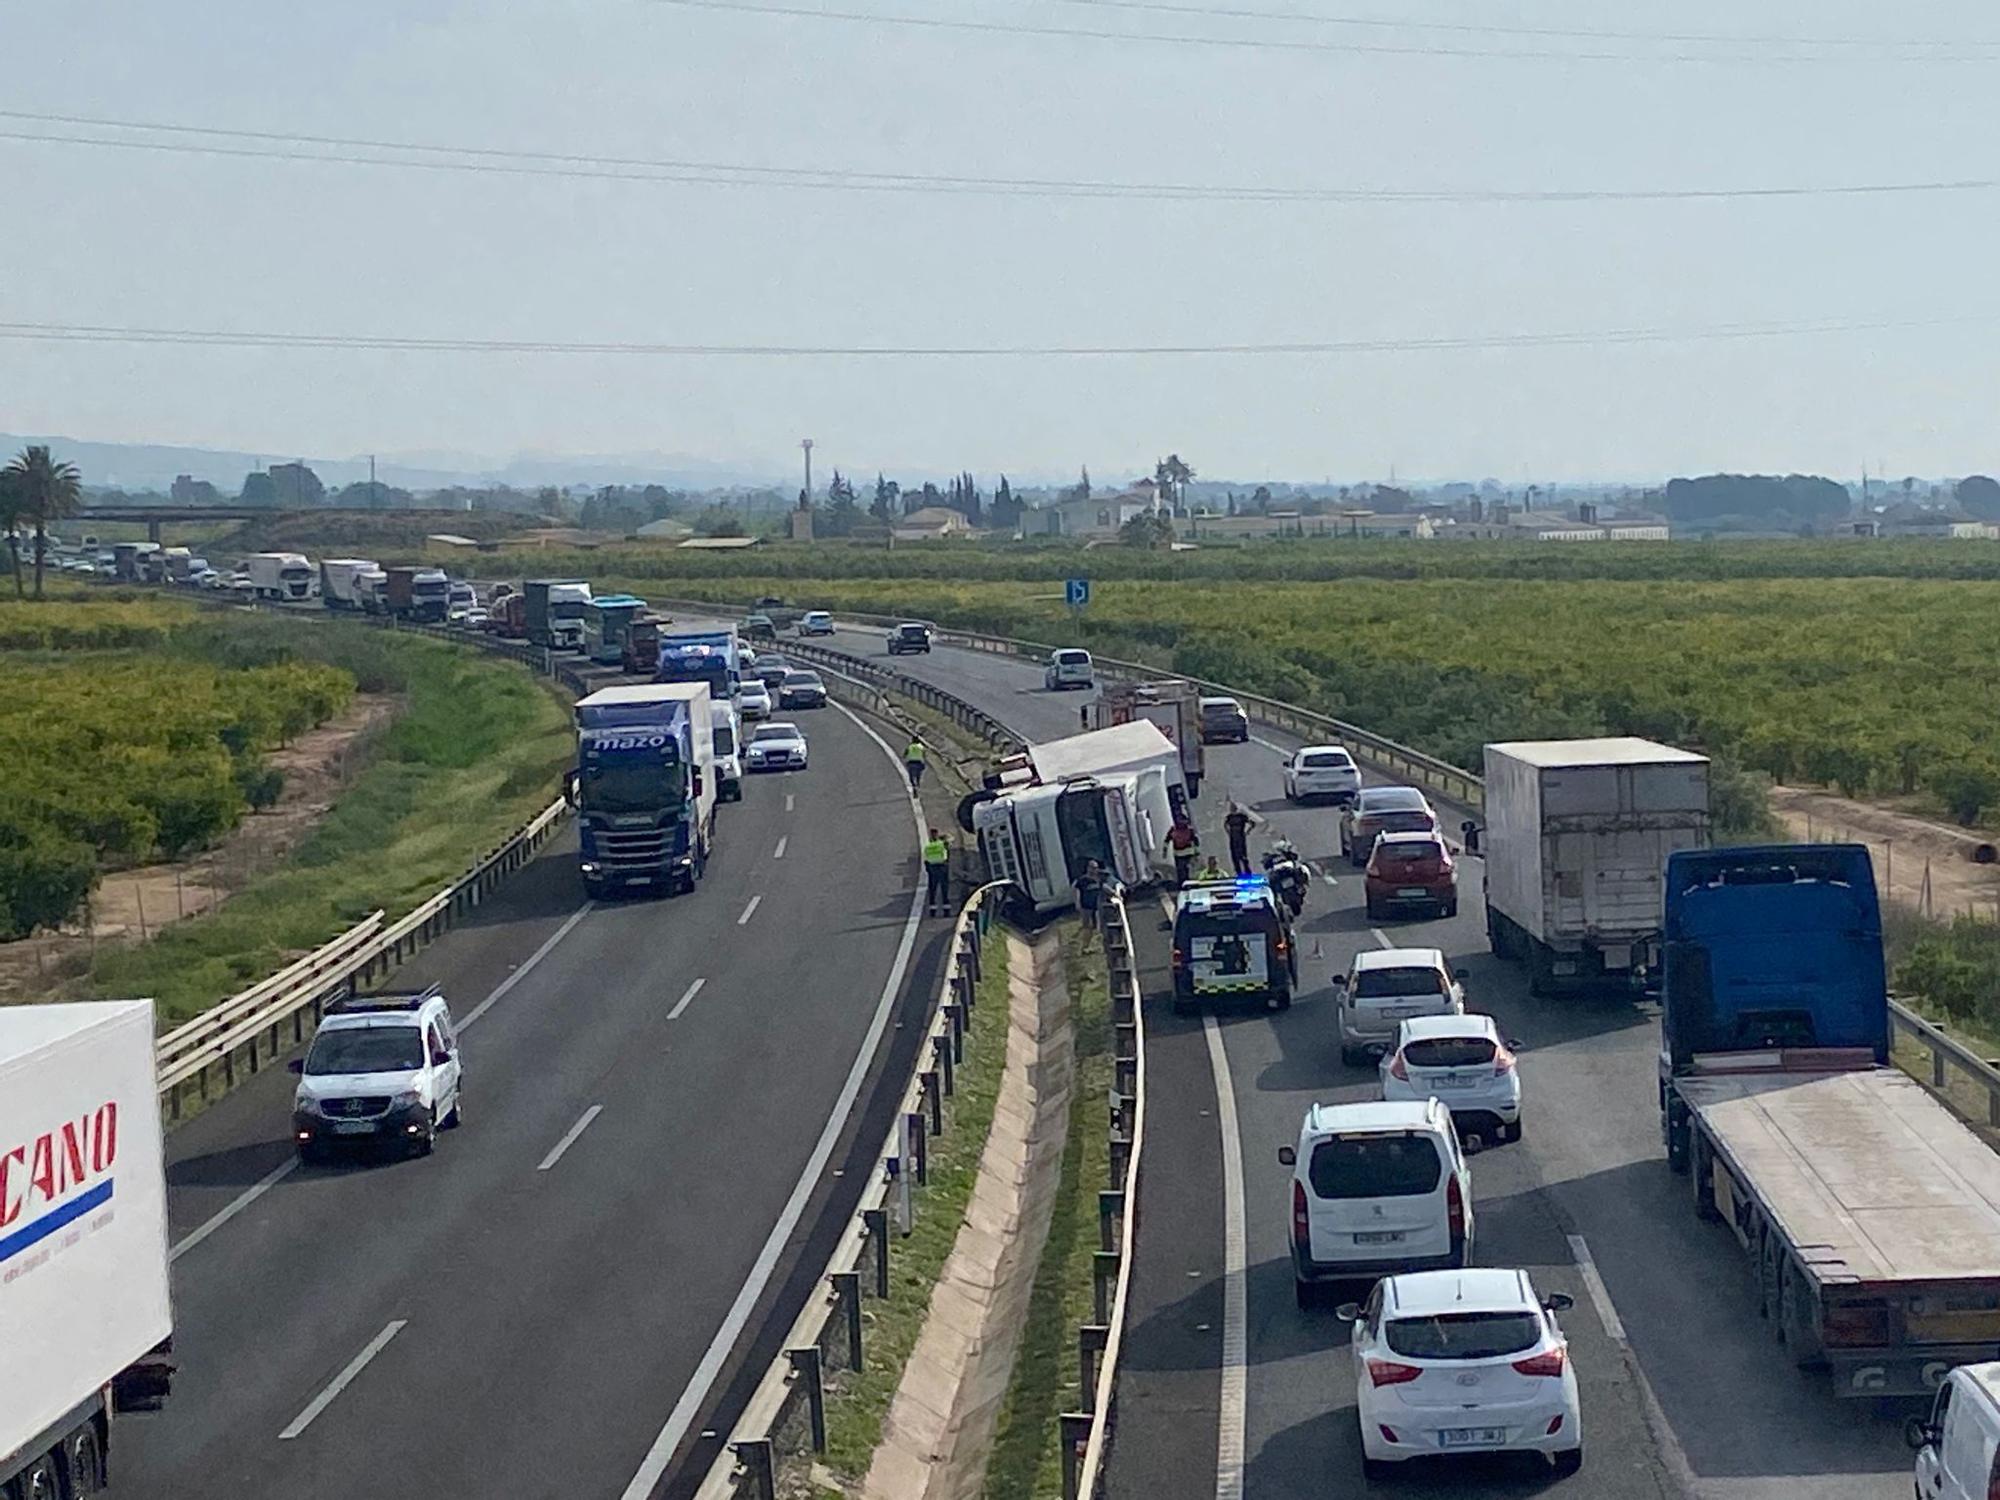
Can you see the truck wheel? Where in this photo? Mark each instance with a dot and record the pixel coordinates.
(86, 1464)
(1541, 969)
(1701, 1164)
(40, 1481)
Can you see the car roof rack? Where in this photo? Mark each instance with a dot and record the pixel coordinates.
(409, 1000)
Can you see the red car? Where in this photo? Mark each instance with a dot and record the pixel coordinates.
(1411, 869)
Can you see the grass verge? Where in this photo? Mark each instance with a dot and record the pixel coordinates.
(1027, 1448)
(858, 1401)
(476, 751)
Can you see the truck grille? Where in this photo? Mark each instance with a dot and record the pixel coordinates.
(355, 1109)
(645, 846)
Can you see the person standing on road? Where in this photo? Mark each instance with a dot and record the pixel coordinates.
(1237, 825)
(1211, 870)
(1183, 843)
(937, 874)
(913, 761)
(1089, 888)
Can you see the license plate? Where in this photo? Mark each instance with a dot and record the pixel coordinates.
(1400, 1013)
(1411, 890)
(1380, 1237)
(353, 1127)
(1452, 1081)
(1471, 1437)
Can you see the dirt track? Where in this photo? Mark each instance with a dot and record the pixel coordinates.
(1910, 851)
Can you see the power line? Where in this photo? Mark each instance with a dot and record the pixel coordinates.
(204, 140)
(1396, 23)
(1294, 44)
(85, 333)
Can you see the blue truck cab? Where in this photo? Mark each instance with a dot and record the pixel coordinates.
(706, 656)
(644, 787)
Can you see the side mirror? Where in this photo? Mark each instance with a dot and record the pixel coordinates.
(697, 781)
(296, 1065)
(440, 1057)
(1288, 1156)
(1918, 1433)
(1348, 1312)
(1340, 981)
(1559, 1302)
(569, 788)
(1513, 1043)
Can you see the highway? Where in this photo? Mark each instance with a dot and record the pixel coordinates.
(562, 1293)
(1685, 1391)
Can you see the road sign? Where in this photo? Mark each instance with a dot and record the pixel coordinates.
(1077, 592)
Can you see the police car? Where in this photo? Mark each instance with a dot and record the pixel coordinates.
(383, 1069)
(1231, 938)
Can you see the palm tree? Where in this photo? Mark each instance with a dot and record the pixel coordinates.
(11, 511)
(48, 491)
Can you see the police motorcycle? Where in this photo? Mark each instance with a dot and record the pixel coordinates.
(1289, 875)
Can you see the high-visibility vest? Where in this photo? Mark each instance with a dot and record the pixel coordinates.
(915, 751)
(936, 852)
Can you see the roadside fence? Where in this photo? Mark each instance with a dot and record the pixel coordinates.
(785, 1419)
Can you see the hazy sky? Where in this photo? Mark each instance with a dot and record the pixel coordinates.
(129, 238)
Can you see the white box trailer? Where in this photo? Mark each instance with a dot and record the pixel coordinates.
(280, 576)
(1576, 840)
(84, 1306)
(340, 578)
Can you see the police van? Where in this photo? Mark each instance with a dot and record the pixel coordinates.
(1232, 939)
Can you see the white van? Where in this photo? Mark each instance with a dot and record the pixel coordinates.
(1386, 987)
(728, 731)
(1377, 1189)
(1068, 668)
(1958, 1442)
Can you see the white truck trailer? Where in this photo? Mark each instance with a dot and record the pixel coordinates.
(84, 1308)
(1576, 841)
(283, 577)
(340, 579)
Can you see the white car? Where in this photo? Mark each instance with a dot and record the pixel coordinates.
(1321, 771)
(1958, 1442)
(1377, 1189)
(1463, 1061)
(1068, 668)
(382, 1069)
(776, 747)
(815, 622)
(1384, 988)
(1467, 1361)
(753, 700)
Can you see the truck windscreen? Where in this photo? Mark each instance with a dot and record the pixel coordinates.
(631, 787)
(1080, 821)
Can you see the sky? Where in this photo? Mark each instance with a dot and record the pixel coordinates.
(1901, 377)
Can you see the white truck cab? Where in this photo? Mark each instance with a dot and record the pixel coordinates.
(382, 1069)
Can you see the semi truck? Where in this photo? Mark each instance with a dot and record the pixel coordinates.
(510, 617)
(645, 786)
(419, 595)
(1174, 708)
(279, 576)
(606, 622)
(555, 612)
(642, 646)
(714, 657)
(339, 580)
(371, 591)
(175, 564)
(128, 560)
(1108, 795)
(84, 1301)
(1870, 1214)
(1577, 837)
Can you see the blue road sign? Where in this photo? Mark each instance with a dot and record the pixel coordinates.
(1077, 592)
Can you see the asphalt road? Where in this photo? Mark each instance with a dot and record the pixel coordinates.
(521, 1313)
(1685, 1390)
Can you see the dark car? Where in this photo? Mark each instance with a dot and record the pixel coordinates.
(1379, 810)
(772, 671)
(760, 628)
(1411, 869)
(1223, 721)
(801, 689)
(912, 635)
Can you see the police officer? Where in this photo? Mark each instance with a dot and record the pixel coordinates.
(1237, 825)
(913, 761)
(937, 872)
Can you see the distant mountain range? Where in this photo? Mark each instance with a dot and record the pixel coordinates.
(153, 466)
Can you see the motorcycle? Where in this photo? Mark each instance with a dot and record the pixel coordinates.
(1289, 877)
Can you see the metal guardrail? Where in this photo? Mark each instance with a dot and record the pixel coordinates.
(1086, 1434)
(1948, 1056)
(786, 1414)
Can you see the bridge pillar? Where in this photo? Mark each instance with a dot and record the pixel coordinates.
(153, 529)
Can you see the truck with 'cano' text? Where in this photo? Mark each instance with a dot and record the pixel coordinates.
(1869, 1213)
(85, 1314)
(645, 786)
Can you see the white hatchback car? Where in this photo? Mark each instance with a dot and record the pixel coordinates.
(1468, 1361)
(753, 700)
(1321, 771)
(1463, 1061)
(1377, 1188)
(1384, 988)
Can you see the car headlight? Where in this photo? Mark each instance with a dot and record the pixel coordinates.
(305, 1103)
(407, 1099)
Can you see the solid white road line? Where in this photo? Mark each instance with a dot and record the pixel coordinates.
(569, 1137)
(686, 999)
(1271, 745)
(341, 1381)
(279, 1173)
(779, 852)
(750, 910)
(1600, 1295)
(1381, 938)
(695, 1394)
(1235, 1256)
